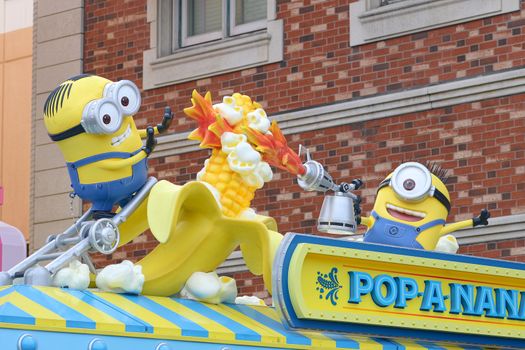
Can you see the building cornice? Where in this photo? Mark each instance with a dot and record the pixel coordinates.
(376, 107)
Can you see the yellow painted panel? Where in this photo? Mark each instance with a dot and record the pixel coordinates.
(310, 259)
(216, 330)
(103, 321)
(43, 316)
(161, 325)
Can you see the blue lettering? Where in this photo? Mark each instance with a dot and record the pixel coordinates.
(361, 283)
(507, 303)
(407, 289)
(391, 290)
(521, 314)
(485, 302)
(461, 299)
(433, 297)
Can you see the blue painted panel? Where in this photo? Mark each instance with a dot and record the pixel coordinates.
(11, 314)
(188, 327)
(291, 336)
(241, 331)
(388, 344)
(72, 341)
(132, 323)
(7, 291)
(342, 341)
(73, 318)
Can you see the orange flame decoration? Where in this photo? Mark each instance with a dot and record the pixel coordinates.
(202, 111)
(275, 150)
(272, 146)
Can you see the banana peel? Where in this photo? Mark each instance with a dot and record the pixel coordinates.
(195, 236)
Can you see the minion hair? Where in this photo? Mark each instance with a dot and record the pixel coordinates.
(55, 100)
(437, 170)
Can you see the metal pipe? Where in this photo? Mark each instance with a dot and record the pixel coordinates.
(73, 252)
(135, 202)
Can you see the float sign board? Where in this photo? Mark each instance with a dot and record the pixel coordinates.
(360, 288)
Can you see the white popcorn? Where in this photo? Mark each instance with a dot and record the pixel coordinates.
(447, 244)
(243, 159)
(230, 140)
(249, 300)
(210, 288)
(121, 278)
(258, 120)
(233, 115)
(200, 174)
(75, 276)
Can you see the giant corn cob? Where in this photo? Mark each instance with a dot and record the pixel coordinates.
(243, 145)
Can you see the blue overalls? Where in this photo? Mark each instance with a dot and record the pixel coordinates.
(395, 233)
(104, 195)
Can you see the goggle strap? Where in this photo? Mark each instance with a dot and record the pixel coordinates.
(76, 130)
(437, 194)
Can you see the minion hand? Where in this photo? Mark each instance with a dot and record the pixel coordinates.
(482, 219)
(150, 140)
(166, 120)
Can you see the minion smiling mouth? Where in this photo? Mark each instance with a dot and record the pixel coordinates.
(119, 139)
(404, 214)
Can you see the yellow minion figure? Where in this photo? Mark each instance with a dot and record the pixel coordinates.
(91, 120)
(411, 209)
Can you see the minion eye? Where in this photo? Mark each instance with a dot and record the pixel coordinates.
(129, 98)
(109, 117)
(125, 94)
(411, 181)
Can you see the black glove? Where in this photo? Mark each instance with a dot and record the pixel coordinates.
(150, 140)
(482, 219)
(166, 120)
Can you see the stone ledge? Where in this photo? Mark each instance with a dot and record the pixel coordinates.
(382, 106)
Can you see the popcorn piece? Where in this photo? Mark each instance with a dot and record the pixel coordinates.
(233, 115)
(258, 120)
(243, 159)
(210, 288)
(75, 276)
(230, 140)
(249, 300)
(121, 278)
(447, 244)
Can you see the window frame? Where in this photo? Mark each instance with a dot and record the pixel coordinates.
(245, 27)
(165, 66)
(180, 24)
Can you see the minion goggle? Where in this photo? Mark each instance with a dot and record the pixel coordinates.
(412, 182)
(105, 115)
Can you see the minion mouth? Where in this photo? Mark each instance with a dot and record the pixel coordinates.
(119, 139)
(404, 214)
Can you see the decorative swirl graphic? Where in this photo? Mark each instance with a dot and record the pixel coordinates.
(329, 284)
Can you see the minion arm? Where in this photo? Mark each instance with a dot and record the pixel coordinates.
(482, 219)
(366, 221)
(455, 226)
(160, 128)
(112, 164)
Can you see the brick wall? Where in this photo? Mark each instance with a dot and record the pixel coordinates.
(482, 143)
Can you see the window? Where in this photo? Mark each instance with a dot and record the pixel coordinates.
(374, 20)
(239, 33)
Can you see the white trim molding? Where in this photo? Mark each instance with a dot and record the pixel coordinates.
(370, 22)
(214, 58)
(358, 110)
(499, 228)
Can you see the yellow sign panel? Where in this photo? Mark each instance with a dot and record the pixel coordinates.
(361, 287)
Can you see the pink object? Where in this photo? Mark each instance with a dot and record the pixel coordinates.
(12, 246)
